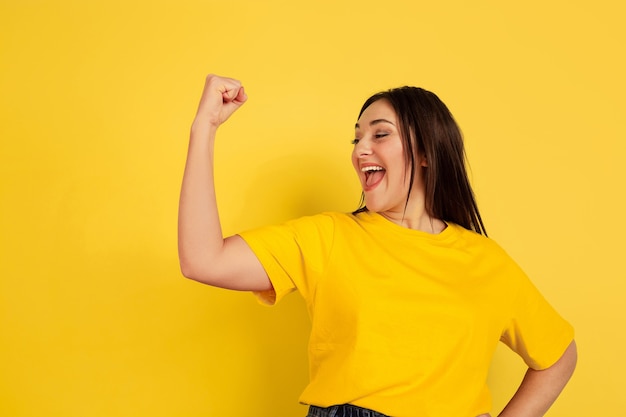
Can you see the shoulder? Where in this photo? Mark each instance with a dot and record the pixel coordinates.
(330, 219)
(487, 255)
(321, 221)
(315, 227)
(472, 239)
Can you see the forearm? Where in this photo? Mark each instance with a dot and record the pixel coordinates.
(203, 252)
(199, 230)
(539, 389)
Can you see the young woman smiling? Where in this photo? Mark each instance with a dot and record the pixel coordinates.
(408, 297)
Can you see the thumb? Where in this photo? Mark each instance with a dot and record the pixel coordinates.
(234, 95)
(241, 96)
(233, 103)
(234, 98)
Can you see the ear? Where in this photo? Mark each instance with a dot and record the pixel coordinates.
(423, 161)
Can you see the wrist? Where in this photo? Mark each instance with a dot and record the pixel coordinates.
(203, 128)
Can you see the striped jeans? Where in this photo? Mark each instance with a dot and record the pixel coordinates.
(345, 410)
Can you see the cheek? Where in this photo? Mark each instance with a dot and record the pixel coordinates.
(354, 159)
(402, 169)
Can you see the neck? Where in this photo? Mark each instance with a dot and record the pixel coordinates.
(416, 221)
(413, 214)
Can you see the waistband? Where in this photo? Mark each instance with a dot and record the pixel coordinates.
(344, 410)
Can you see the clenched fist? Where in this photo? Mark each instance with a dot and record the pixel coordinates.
(220, 98)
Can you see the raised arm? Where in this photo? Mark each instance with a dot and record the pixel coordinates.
(203, 252)
(539, 389)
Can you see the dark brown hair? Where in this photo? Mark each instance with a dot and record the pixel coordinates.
(428, 128)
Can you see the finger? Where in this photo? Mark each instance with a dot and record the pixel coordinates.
(221, 97)
(238, 101)
(229, 89)
(226, 88)
(235, 95)
(241, 96)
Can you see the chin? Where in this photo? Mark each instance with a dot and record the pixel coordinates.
(374, 206)
(383, 205)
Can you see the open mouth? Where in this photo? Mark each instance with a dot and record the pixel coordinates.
(373, 175)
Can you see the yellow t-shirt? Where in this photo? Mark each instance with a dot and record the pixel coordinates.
(405, 322)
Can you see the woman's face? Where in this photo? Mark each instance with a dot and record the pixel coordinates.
(378, 158)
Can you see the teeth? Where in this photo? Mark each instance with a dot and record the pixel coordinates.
(372, 168)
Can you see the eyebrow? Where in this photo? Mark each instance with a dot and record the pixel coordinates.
(375, 122)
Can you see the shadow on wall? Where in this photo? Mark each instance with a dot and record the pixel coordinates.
(203, 348)
(300, 184)
(296, 185)
(283, 187)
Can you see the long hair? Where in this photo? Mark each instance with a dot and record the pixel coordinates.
(428, 128)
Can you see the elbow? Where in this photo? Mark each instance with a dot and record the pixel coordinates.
(189, 263)
(193, 272)
(187, 271)
(202, 273)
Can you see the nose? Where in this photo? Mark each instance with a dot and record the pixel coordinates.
(363, 148)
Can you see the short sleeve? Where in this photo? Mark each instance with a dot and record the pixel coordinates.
(293, 255)
(535, 330)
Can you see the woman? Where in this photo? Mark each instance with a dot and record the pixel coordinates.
(408, 299)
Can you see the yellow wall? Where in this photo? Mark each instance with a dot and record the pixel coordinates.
(96, 100)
